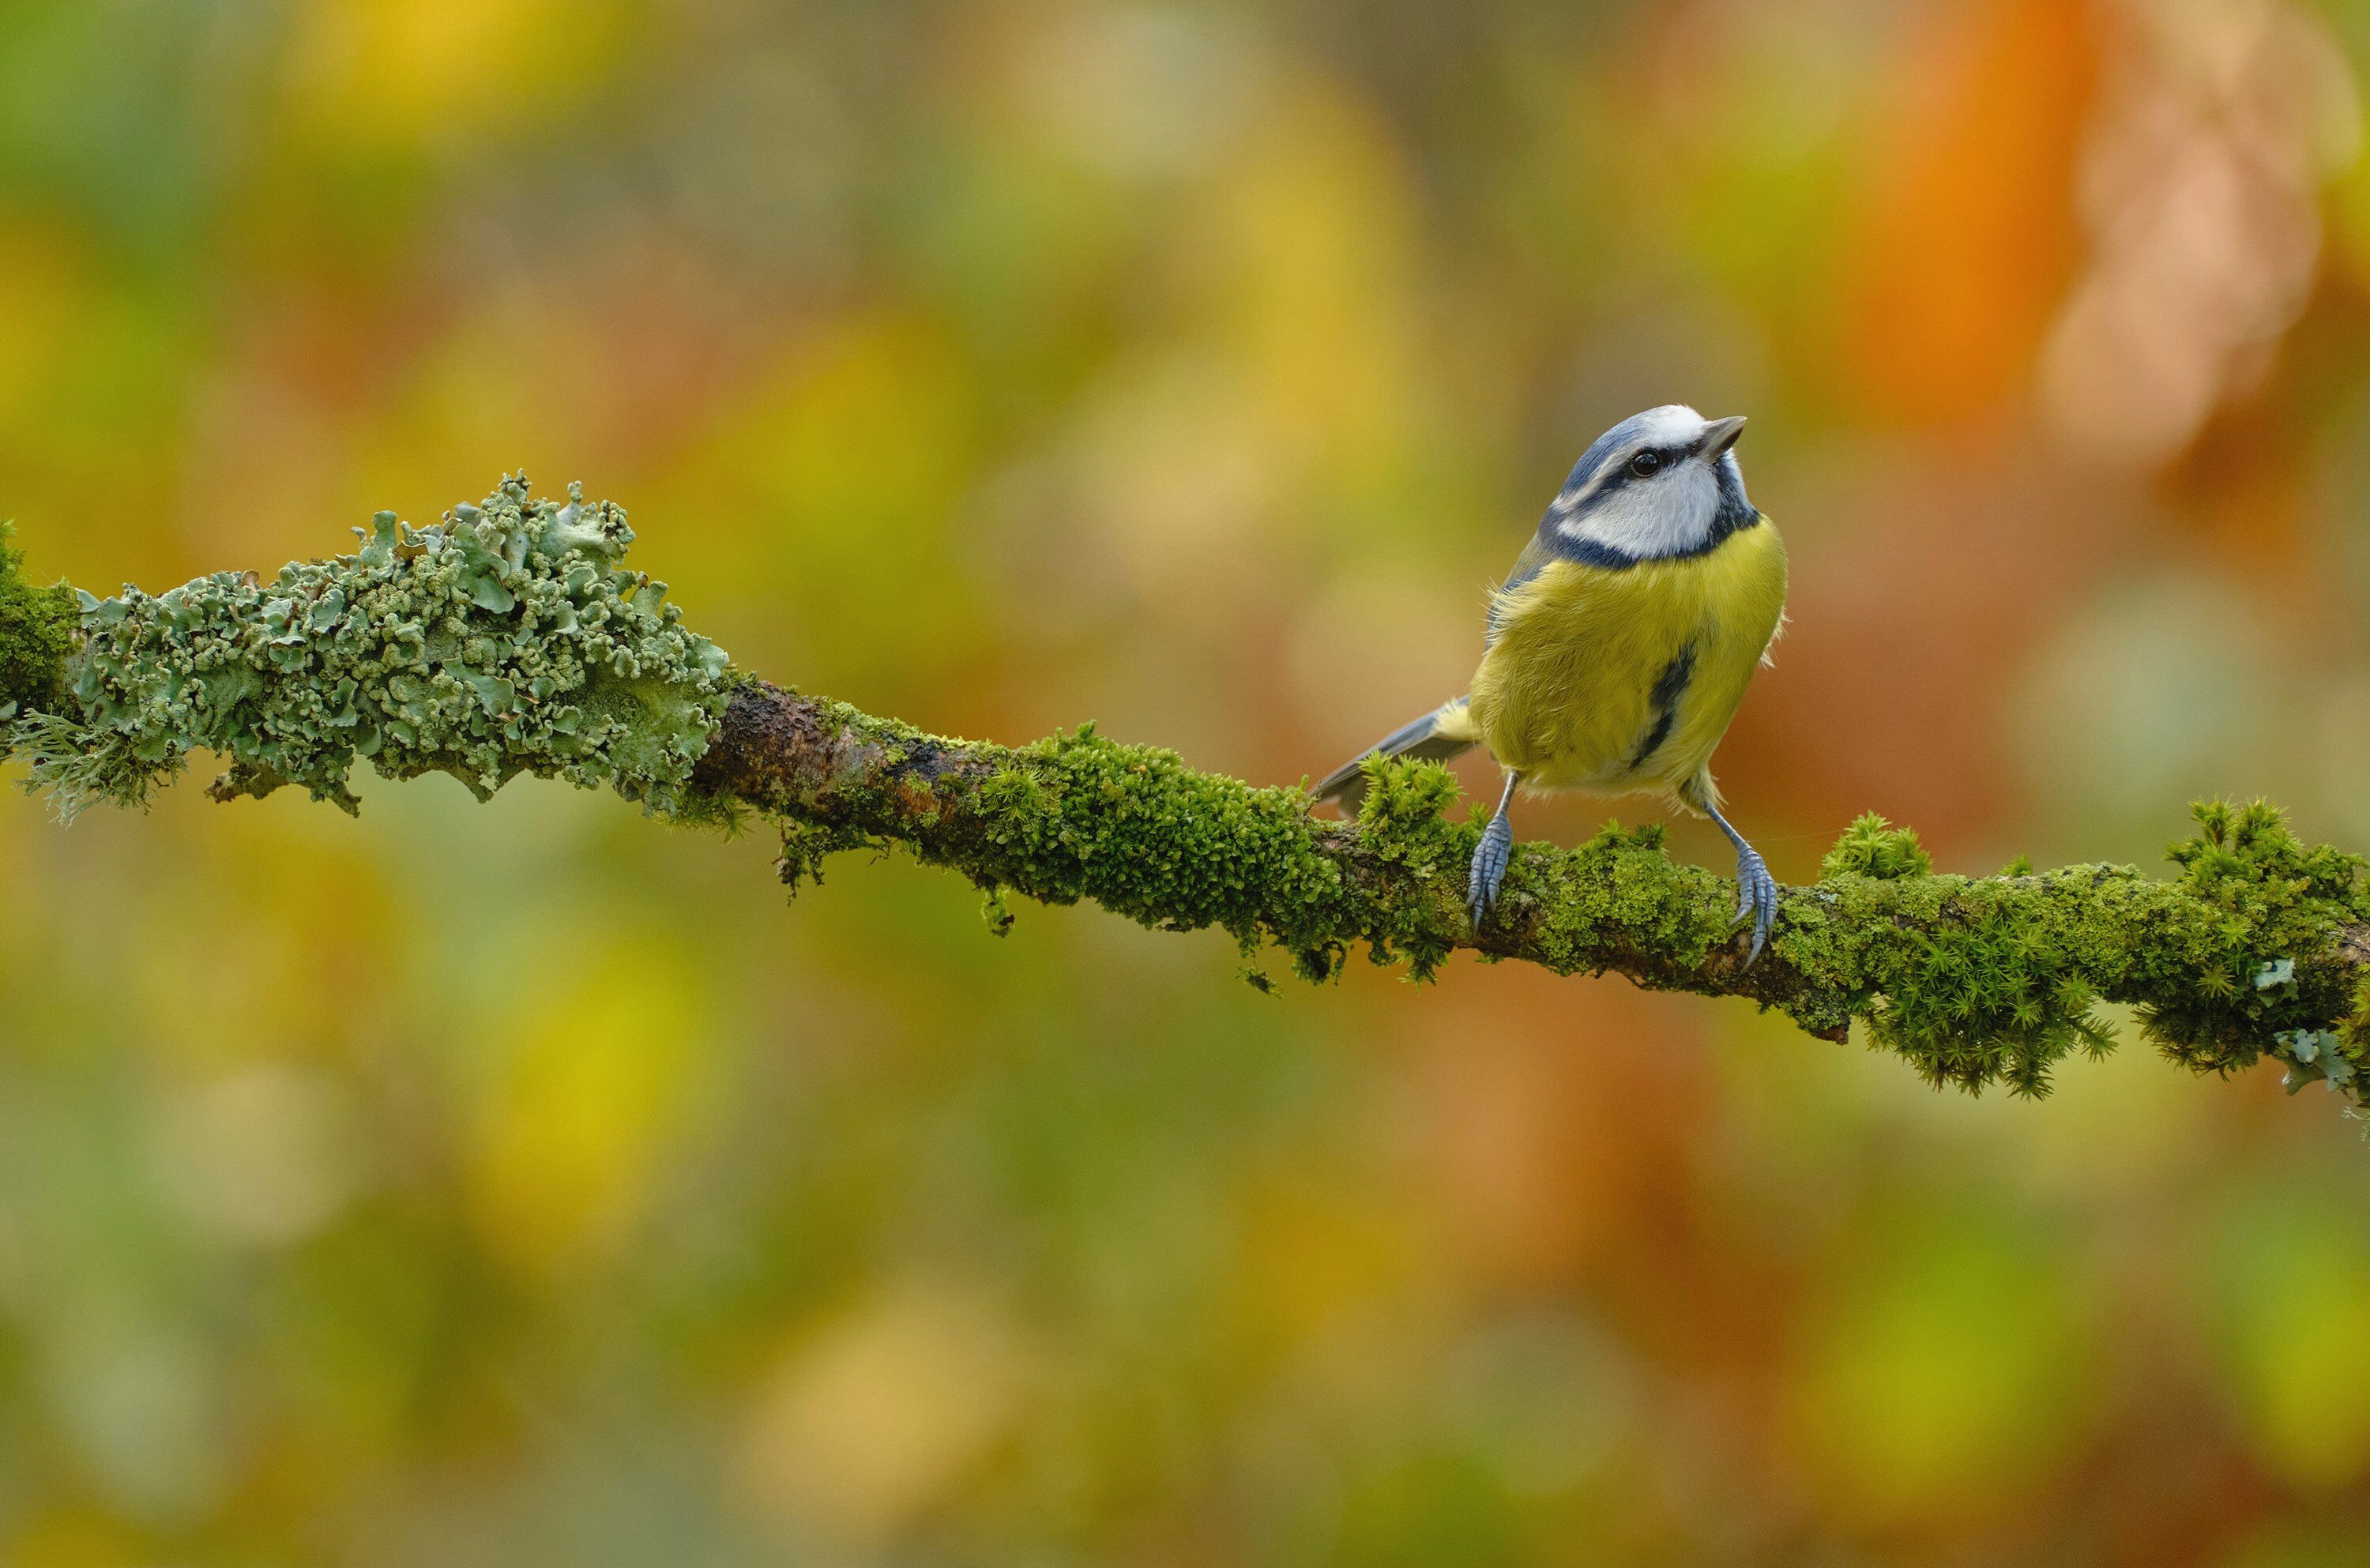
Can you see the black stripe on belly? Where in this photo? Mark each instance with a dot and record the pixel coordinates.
(1669, 686)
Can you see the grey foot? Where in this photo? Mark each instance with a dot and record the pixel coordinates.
(1490, 859)
(1756, 893)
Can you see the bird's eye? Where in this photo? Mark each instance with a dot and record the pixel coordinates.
(1646, 464)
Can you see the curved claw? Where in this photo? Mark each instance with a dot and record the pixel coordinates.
(1756, 897)
(1490, 860)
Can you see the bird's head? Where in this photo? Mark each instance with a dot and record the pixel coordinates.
(1659, 484)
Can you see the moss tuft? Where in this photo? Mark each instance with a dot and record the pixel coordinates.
(1404, 818)
(1874, 847)
(1620, 895)
(37, 627)
(1080, 817)
(1979, 983)
(1992, 998)
(805, 847)
(2256, 962)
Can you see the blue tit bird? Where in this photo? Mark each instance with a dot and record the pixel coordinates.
(1621, 643)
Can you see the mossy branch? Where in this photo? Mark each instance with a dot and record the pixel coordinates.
(509, 640)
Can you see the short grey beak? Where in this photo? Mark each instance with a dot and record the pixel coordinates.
(1720, 434)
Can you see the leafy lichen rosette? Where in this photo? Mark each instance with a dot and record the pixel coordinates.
(506, 639)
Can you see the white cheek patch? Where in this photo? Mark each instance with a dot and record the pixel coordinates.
(1669, 514)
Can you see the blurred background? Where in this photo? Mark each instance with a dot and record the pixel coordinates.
(527, 1184)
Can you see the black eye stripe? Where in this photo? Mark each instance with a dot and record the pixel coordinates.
(1606, 482)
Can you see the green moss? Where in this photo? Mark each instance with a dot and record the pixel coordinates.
(1130, 827)
(36, 637)
(1874, 847)
(805, 847)
(1975, 982)
(1619, 897)
(2258, 967)
(506, 640)
(1993, 981)
(1079, 816)
(1404, 819)
(1996, 992)
(2342, 1060)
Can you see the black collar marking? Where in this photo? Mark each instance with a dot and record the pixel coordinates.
(1612, 558)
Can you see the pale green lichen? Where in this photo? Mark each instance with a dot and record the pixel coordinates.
(505, 641)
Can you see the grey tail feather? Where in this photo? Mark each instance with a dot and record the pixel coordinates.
(1346, 785)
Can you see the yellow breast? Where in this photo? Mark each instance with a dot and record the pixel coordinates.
(1625, 680)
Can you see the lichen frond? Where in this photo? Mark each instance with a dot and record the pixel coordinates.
(506, 639)
(78, 766)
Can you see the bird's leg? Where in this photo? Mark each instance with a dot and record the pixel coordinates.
(1490, 858)
(1757, 890)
